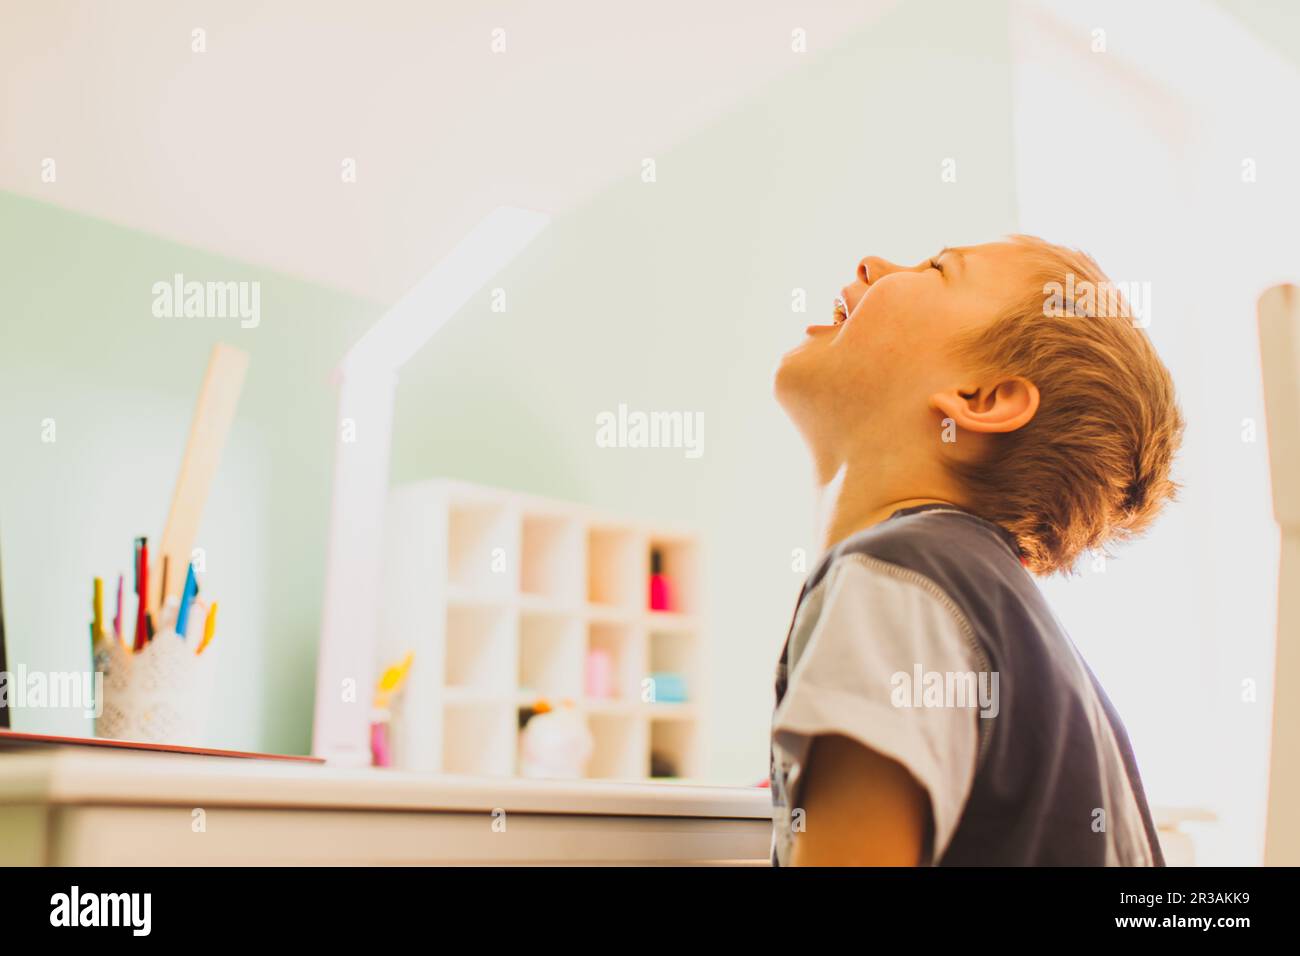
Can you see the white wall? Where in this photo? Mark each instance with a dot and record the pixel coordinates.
(1136, 153)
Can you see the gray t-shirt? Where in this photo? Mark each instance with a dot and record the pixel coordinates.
(925, 640)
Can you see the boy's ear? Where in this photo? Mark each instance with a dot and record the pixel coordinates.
(1000, 407)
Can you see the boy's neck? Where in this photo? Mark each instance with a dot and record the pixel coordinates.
(853, 499)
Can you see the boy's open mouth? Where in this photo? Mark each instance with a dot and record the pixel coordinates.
(839, 315)
(840, 310)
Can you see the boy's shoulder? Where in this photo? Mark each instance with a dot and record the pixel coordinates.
(969, 565)
(954, 549)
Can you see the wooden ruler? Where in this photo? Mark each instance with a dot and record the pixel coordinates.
(208, 430)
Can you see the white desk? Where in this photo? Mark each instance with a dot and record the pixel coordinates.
(73, 806)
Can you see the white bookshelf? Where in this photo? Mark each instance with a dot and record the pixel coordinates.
(501, 596)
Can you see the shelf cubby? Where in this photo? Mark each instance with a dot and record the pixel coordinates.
(552, 559)
(674, 747)
(617, 567)
(680, 557)
(625, 645)
(482, 546)
(620, 746)
(550, 656)
(480, 648)
(674, 651)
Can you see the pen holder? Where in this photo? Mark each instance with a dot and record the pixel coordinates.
(160, 694)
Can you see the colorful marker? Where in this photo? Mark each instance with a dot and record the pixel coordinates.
(187, 600)
(209, 628)
(117, 618)
(142, 608)
(98, 626)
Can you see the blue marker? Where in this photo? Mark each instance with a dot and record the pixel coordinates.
(187, 600)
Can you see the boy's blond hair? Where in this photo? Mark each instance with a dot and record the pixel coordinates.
(1093, 465)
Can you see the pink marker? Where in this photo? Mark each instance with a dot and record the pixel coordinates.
(117, 618)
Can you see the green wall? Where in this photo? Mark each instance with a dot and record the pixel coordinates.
(79, 344)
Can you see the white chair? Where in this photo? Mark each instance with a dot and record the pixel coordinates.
(1279, 342)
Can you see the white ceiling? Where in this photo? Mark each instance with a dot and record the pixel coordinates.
(239, 149)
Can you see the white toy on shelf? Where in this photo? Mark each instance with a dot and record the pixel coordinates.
(555, 744)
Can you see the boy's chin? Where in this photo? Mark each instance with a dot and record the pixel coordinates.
(798, 382)
(806, 367)
(792, 378)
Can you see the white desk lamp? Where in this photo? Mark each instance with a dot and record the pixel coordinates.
(367, 380)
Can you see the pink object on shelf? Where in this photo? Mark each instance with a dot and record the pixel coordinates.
(661, 596)
(380, 755)
(600, 673)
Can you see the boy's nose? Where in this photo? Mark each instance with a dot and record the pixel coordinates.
(873, 267)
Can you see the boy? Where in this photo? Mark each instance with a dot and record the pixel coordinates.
(969, 424)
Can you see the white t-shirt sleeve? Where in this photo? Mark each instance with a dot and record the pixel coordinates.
(872, 628)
